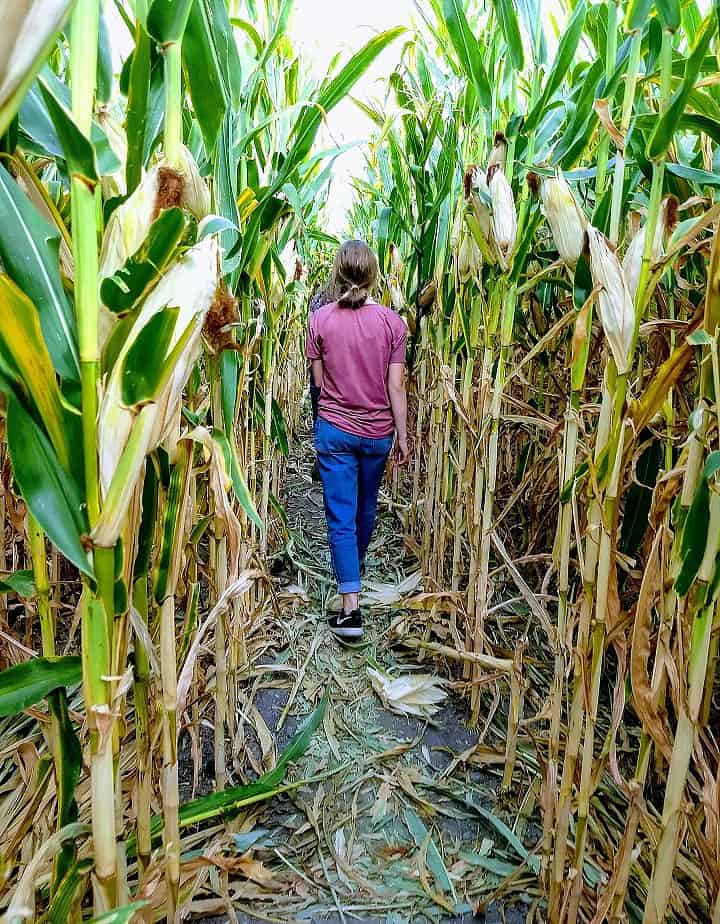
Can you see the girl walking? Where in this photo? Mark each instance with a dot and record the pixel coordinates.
(357, 351)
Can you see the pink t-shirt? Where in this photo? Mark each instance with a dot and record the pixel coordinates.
(356, 346)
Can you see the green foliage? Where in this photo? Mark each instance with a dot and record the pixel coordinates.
(29, 250)
(29, 682)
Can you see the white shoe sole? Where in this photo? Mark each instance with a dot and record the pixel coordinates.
(347, 633)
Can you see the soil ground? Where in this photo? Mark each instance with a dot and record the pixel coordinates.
(408, 824)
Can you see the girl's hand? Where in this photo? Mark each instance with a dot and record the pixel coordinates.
(401, 453)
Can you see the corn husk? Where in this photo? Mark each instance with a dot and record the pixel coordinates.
(469, 258)
(397, 298)
(190, 284)
(418, 694)
(632, 262)
(114, 184)
(130, 222)
(563, 214)
(615, 302)
(480, 204)
(26, 27)
(395, 260)
(498, 155)
(504, 216)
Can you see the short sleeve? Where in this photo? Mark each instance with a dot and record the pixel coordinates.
(399, 341)
(312, 347)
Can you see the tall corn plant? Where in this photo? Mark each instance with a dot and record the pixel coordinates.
(608, 129)
(104, 325)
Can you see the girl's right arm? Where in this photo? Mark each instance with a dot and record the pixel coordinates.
(398, 404)
(317, 372)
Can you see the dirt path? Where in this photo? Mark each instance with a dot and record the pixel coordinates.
(404, 828)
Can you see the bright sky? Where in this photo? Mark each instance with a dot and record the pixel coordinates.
(319, 28)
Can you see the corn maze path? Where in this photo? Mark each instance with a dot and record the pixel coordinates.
(394, 835)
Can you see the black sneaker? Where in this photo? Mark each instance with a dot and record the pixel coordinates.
(347, 625)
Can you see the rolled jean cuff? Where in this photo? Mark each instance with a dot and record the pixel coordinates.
(349, 587)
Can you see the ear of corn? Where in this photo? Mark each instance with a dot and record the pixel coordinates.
(191, 285)
(564, 217)
(615, 302)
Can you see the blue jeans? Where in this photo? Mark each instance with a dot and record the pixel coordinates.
(352, 469)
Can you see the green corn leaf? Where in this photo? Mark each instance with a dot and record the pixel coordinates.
(25, 360)
(230, 801)
(170, 549)
(78, 151)
(147, 366)
(123, 915)
(582, 334)
(167, 19)
(66, 893)
(434, 859)
(573, 483)
(636, 14)
(29, 249)
(232, 466)
(212, 66)
(147, 523)
(104, 81)
(669, 13)
(668, 123)
(694, 537)
(561, 66)
(229, 378)
(334, 89)
(278, 31)
(225, 189)
(712, 465)
(512, 839)
(694, 175)
(26, 684)
(38, 133)
(467, 49)
(68, 761)
(51, 494)
(21, 583)
(138, 102)
(383, 237)
(278, 429)
(252, 33)
(507, 14)
(144, 363)
(132, 282)
(15, 82)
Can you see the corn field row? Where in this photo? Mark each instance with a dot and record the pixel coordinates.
(547, 221)
(155, 232)
(541, 195)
